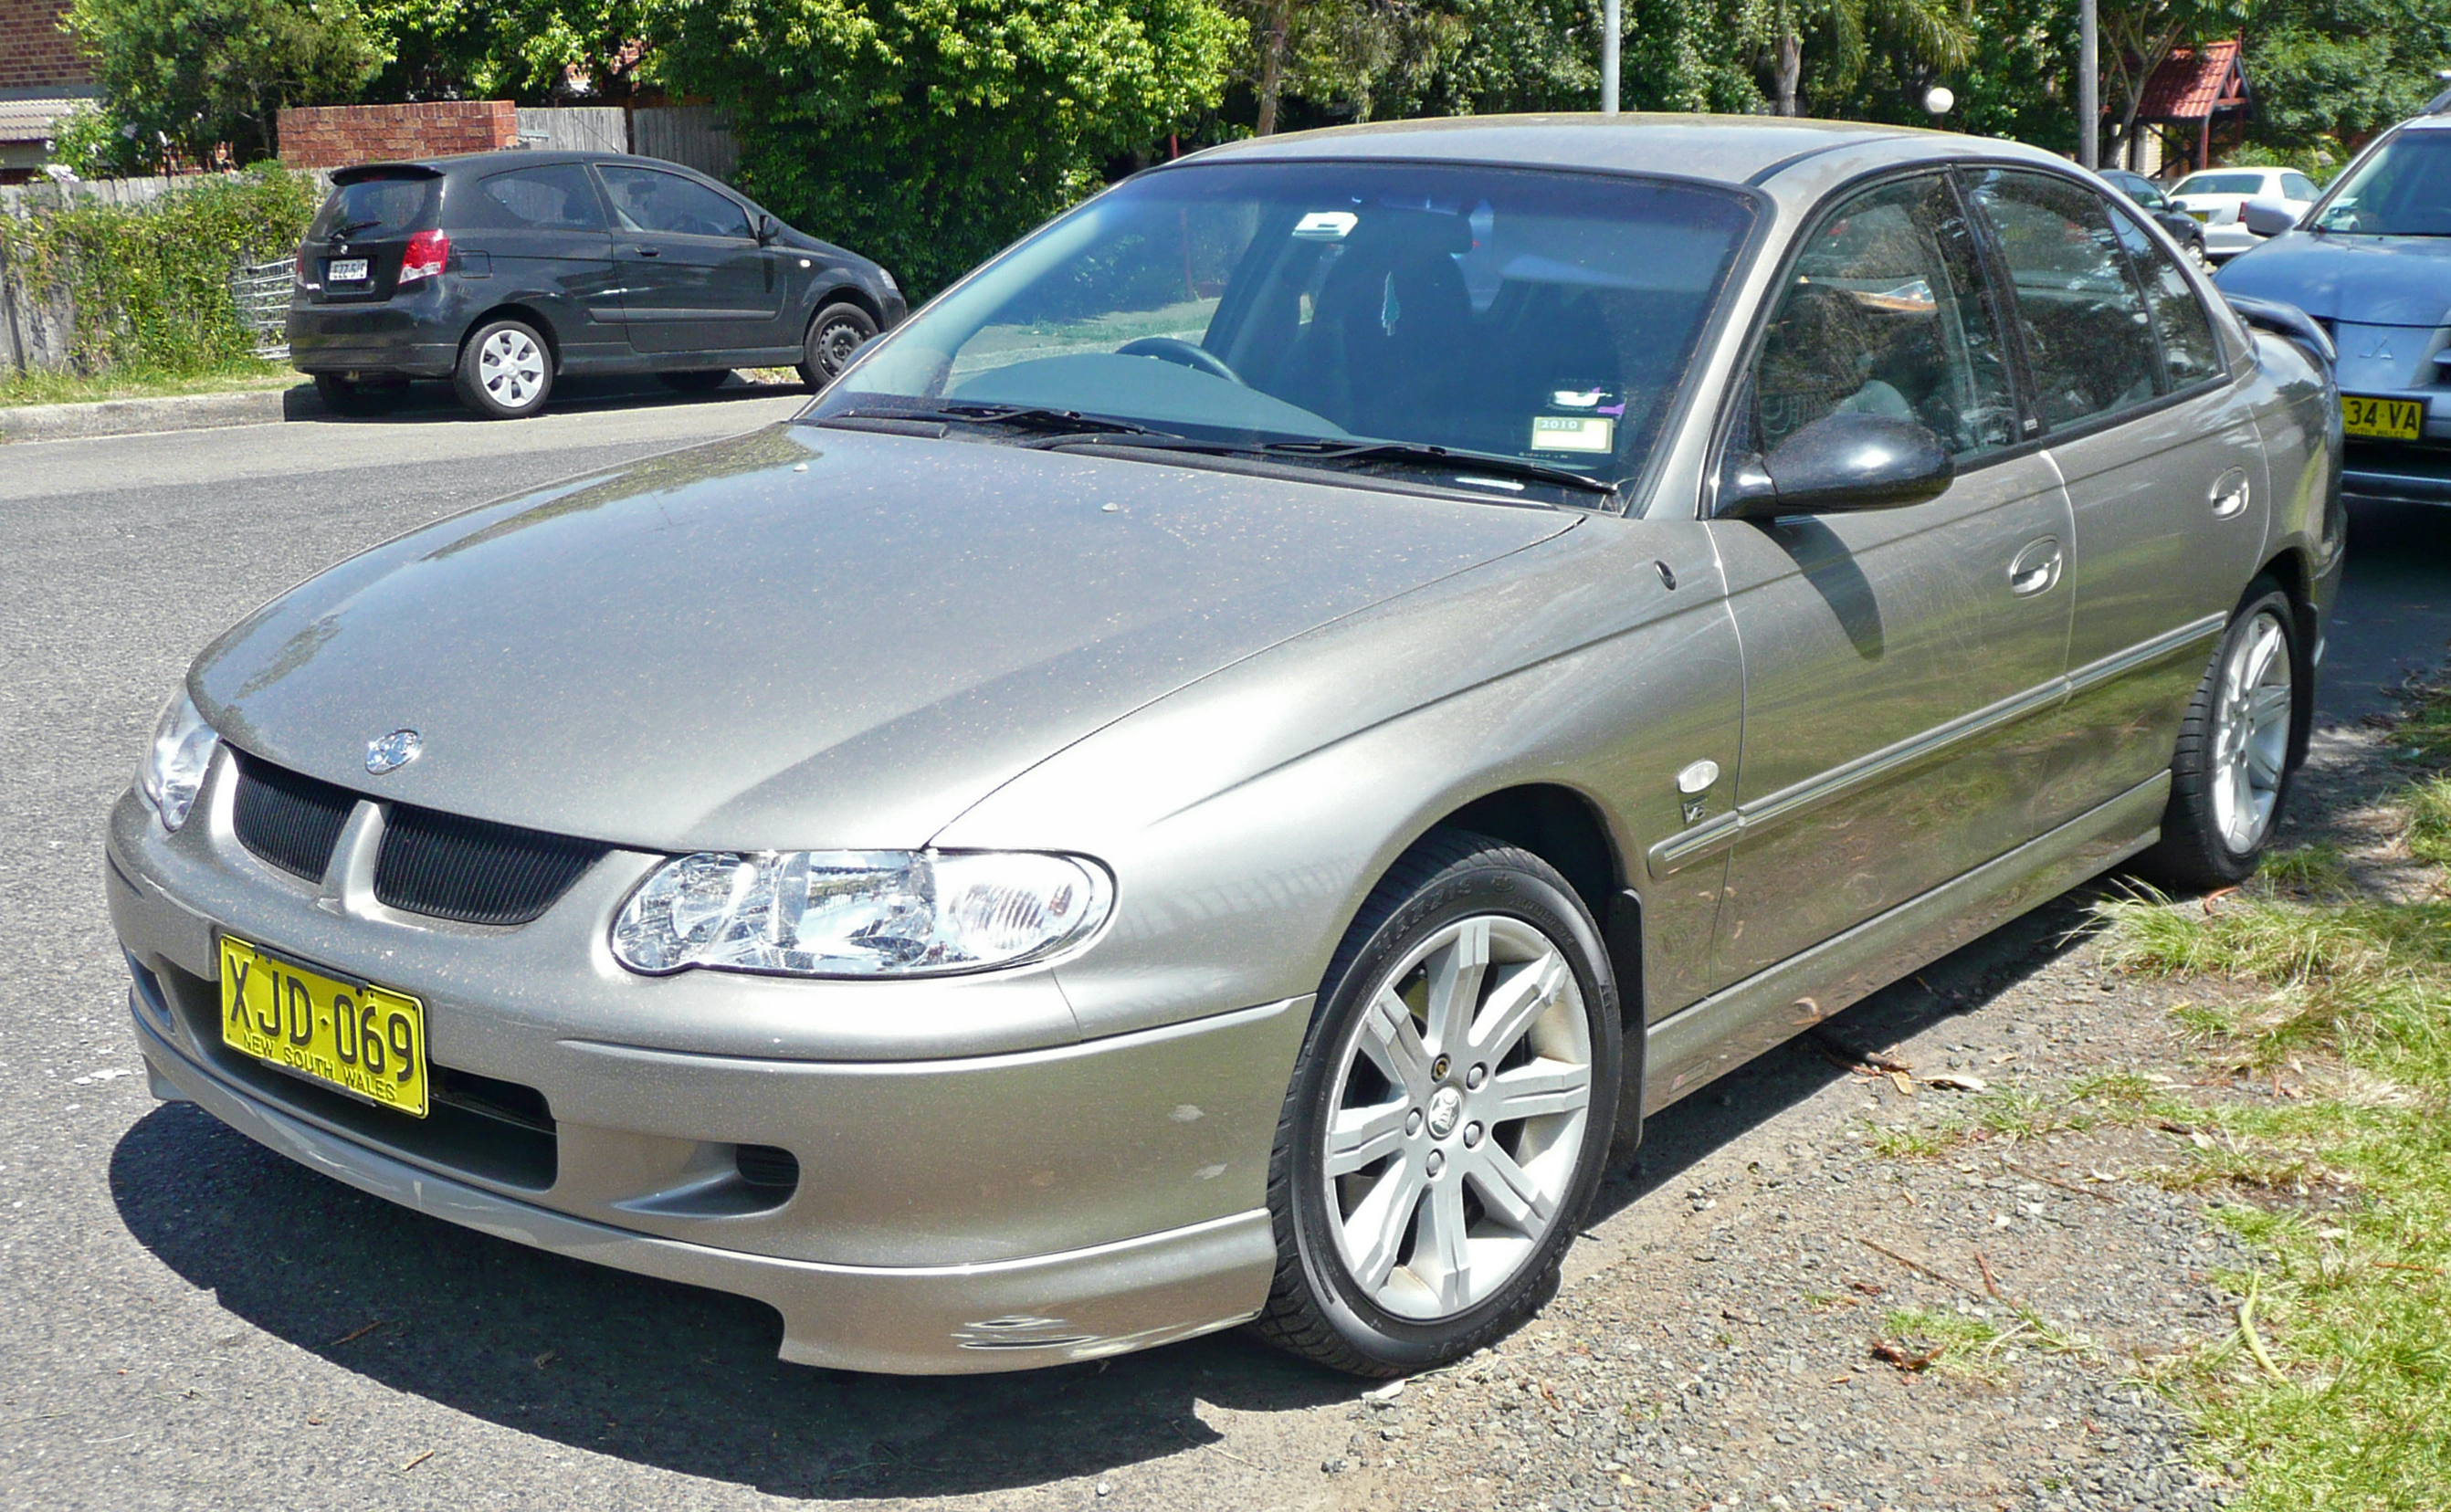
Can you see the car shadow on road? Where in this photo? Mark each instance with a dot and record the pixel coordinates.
(433, 403)
(687, 1380)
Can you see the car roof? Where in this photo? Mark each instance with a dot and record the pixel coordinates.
(502, 160)
(1730, 149)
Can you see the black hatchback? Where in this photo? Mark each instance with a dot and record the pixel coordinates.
(504, 270)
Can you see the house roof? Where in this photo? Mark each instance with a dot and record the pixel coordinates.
(31, 120)
(2195, 83)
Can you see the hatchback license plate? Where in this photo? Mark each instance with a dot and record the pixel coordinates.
(347, 270)
(2383, 418)
(368, 1041)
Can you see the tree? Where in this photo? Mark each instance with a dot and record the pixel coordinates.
(2328, 74)
(1930, 31)
(532, 51)
(930, 132)
(198, 74)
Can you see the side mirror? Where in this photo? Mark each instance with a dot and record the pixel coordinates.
(768, 227)
(2268, 217)
(1840, 463)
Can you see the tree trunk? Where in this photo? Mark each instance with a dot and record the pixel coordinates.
(1272, 65)
(1790, 68)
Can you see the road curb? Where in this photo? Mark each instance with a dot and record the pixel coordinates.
(130, 417)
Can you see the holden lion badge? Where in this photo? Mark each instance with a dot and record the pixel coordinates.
(394, 751)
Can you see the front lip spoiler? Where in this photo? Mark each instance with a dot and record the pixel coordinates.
(935, 1320)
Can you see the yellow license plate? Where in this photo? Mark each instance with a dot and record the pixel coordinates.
(2383, 418)
(368, 1041)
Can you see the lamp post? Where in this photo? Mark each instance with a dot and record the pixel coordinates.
(1610, 30)
(2088, 83)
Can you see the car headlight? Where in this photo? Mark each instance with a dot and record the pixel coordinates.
(174, 769)
(858, 912)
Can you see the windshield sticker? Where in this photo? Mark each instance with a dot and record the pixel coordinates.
(1586, 433)
(1599, 400)
(1325, 225)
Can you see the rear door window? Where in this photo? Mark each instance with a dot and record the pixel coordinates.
(652, 201)
(557, 198)
(2189, 355)
(2087, 336)
(374, 207)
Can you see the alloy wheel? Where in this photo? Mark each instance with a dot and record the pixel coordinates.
(511, 366)
(2251, 719)
(1456, 1119)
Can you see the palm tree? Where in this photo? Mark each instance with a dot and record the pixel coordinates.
(1926, 32)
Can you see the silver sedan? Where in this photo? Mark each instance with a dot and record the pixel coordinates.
(1219, 772)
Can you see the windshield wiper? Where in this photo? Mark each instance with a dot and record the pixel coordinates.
(1059, 422)
(1445, 458)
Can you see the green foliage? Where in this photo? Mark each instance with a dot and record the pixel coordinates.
(2330, 74)
(197, 73)
(511, 49)
(150, 282)
(928, 133)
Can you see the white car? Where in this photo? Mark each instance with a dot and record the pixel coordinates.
(2217, 196)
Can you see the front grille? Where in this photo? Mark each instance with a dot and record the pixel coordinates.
(290, 820)
(475, 871)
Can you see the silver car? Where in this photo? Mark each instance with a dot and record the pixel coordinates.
(1220, 770)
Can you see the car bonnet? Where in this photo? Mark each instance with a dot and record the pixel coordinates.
(805, 637)
(2356, 279)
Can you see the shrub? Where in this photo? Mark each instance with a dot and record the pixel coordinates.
(928, 133)
(150, 282)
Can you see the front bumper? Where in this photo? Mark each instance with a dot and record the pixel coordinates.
(963, 1203)
(2396, 474)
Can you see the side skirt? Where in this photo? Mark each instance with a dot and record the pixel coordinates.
(1693, 1046)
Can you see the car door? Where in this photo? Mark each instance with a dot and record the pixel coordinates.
(539, 236)
(698, 279)
(1900, 665)
(2158, 450)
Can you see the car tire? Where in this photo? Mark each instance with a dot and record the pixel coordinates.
(1401, 1243)
(834, 337)
(505, 370)
(357, 396)
(697, 381)
(2229, 778)
(2196, 254)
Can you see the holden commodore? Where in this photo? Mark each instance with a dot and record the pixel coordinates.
(1223, 768)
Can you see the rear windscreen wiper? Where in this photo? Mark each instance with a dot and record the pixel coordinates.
(355, 226)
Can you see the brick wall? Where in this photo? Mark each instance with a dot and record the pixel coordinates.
(335, 136)
(34, 52)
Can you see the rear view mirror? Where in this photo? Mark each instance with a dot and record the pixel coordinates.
(2268, 217)
(1842, 462)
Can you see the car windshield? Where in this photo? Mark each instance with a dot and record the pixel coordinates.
(1312, 310)
(2404, 190)
(2221, 184)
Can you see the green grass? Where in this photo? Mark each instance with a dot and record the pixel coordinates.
(1971, 1342)
(2333, 1389)
(2306, 871)
(67, 389)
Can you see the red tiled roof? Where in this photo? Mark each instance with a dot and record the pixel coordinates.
(2192, 81)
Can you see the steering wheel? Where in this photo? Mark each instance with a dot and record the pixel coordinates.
(1167, 350)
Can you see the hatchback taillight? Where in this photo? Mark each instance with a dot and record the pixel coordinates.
(427, 252)
(298, 267)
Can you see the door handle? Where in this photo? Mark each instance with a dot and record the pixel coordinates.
(2229, 494)
(2035, 568)
(648, 251)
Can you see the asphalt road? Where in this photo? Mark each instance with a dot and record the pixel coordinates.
(187, 1321)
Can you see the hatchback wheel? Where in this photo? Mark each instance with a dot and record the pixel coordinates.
(2230, 777)
(505, 371)
(834, 337)
(1450, 1115)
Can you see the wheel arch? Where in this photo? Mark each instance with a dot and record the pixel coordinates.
(513, 309)
(844, 293)
(2290, 569)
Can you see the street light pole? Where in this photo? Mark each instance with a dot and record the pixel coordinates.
(2088, 83)
(1610, 30)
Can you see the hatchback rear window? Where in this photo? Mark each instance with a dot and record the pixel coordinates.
(557, 197)
(374, 207)
(2221, 184)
